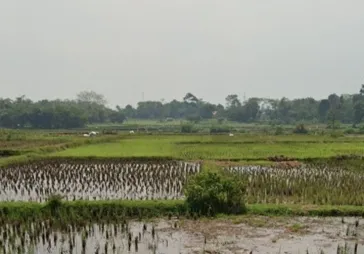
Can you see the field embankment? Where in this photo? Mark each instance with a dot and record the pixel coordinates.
(117, 210)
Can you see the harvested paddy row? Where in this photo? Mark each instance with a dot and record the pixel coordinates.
(95, 180)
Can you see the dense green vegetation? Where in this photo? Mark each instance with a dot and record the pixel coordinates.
(209, 193)
(331, 110)
(91, 108)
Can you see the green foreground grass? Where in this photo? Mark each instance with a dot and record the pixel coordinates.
(112, 211)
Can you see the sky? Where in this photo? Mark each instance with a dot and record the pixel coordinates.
(128, 50)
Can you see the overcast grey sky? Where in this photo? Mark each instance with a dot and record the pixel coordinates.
(166, 48)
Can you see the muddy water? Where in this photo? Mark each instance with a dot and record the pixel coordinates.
(96, 181)
(277, 235)
(236, 235)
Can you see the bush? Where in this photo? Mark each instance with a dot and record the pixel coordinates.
(279, 131)
(265, 130)
(300, 129)
(187, 128)
(219, 129)
(361, 130)
(54, 203)
(220, 120)
(209, 193)
(349, 131)
(194, 118)
(336, 134)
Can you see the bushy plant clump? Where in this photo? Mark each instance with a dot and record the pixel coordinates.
(188, 128)
(220, 129)
(209, 193)
(300, 129)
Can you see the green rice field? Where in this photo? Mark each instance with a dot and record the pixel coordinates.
(219, 148)
(106, 192)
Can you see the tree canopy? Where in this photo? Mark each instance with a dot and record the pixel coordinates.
(56, 114)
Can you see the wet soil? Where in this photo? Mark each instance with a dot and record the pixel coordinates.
(242, 234)
(272, 235)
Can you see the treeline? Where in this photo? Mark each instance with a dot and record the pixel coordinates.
(334, 109)
(91, 108)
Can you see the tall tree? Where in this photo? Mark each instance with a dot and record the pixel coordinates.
(323, 109)
(92, 97)
(190, 98)
(232, 100)
(358, 101)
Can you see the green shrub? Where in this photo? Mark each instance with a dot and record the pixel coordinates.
(336, 134)
(54, 203)
(187, 128)
(209, 193)
(300, 129)
(219, 129)
(194, 118)
(349, 131)
(361, 130)
(220, 120)
(8, 137)
(278, 131)
(265, 130)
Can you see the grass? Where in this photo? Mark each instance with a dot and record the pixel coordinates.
(296, 228)
(218, 148)
(28, 145)
(81, 211)
(305, 210)
(125, 148)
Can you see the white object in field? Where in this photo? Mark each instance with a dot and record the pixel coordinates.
(86, 135)
(92, 133)
(131, 132)
(231, 135)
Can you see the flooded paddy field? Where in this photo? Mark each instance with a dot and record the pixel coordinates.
(243, 234)
(95, 180)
